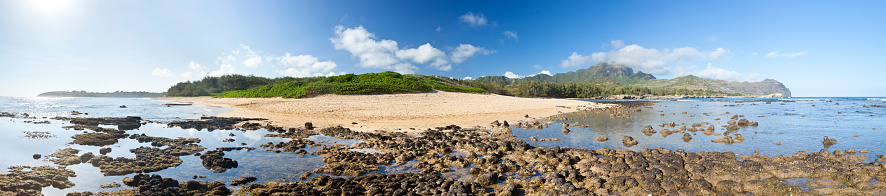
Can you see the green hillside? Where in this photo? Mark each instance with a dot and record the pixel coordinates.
(617, 75)
(369, 83)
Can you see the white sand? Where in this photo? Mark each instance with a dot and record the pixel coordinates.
(392, 112)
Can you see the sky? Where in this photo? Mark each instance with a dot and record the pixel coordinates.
(816, 48)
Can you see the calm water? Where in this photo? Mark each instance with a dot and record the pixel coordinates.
(836, 119)
(802, 128)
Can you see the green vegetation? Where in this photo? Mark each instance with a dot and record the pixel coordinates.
(95, 94)
(616, 75)
(604, 83)
(369, 83)
(215, 85)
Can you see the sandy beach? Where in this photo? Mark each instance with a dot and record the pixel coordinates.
(392, 112)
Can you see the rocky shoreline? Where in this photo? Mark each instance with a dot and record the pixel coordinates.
(497, 164)
(776, 95)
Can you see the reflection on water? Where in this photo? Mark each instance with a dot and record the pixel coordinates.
(799, 125)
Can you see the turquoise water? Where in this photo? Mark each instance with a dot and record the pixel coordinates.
(855, 122)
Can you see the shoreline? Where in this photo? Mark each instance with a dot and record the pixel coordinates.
(409, 112)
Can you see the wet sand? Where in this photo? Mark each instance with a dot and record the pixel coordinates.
(393, 112)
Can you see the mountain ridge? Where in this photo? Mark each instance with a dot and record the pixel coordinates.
(620, 75)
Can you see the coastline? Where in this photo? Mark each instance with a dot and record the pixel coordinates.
(412, 112)
(776, 95)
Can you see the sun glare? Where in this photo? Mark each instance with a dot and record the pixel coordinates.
(49, 6)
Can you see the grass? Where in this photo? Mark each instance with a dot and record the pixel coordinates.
(369, 83)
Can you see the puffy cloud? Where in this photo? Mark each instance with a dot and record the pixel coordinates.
(537, 66)
(648, 60)
(438, 29)
(385, 54)
(511, 75)
(723, 74)
(424, 54)
(468, 78)
(575, 60)
(464, 51)
(546, 72)
(787, 55)
(472, 19)
(304, 65)
(617, 43)
(253, 60)
(225, 69)
(162, 72)
(360, 43)
(195, 66)
(512, 35)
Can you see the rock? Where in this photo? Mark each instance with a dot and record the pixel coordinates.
(731, 122)
(487, 179)
(857, 158)
(732, 128)
(243, 180)
(37, 156)
(309, 126)
(505, 124)
(686, 137)
(565, 131)
(648, 130)
(602, 138)
(305, 175)
(214, 160)
(629, 141)
(828, 142)
(495, 123)
(743, 122)
(666, 132)
(104, 151)
(110, 185)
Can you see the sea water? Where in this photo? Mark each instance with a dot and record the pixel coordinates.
(855, 122)
(798, 123)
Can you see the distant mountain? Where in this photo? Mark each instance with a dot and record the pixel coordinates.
(94, 94)
(690, 82)
(619, 75)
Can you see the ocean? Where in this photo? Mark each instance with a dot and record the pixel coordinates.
(797, 123)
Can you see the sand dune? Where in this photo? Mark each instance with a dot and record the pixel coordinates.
(392, 112)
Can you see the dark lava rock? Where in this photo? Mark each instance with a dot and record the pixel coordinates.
(214, 123)
(104, 151)
(99, 139)
(487, 179)
(243, 180)
(125, 123)
(27, 180)
(214, 160)
(37, 156)
(309, 126)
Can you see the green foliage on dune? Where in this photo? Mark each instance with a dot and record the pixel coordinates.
(369, 83)
(214, 85)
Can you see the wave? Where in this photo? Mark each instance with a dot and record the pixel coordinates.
(876, 99)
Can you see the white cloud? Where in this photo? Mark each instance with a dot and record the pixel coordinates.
(546, 72)
(648, 60)
(372, 53)
(226, 69)
(186, 74)
(424, 54)
(385, 54)
(617, 43)
(253, 60)
(438, 29)
(787, 55)
(195, 66)
(575, 60)
(537, 66)
(162, 72)
(723, 74)
(512, 35)
(469, 78)
(511, 75)
(464, 51)
(304, 65)
(472, 19)
(754, 53)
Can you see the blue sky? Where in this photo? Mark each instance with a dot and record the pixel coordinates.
(816, 48)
